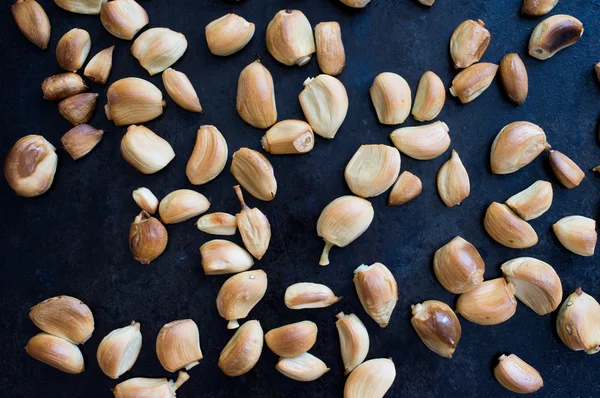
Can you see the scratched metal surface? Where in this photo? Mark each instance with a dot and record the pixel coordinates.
(73, 239)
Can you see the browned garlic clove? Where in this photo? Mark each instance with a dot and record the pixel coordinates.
(181, 205)
(468, 43)
(473, 81)
(65, 317)
(72, 49)
(324, 102)
(158, 48)
(377, 291)
(30, 165)
(372, 170)
(391, 97)
(32, 21)
(145, 150)
(99, 66)
(304, 367)
(553, 34)
(356, 3)
(289, 137)
(430, 97)
(223, 257)
(217, 224)
(309, 295)
(458, 266)
(406, 188)
(255, 101)
(181, 91)
(79, 108)
(80, 140)
(290, 38)
(56, 352)
(147, 238)
(437, 326)
(372, 378)
(208, 157)
(89, 7)
(254, 172)
(533, 201)
(178, 345)
(514, 78)
(228, 34)
(145, 387)
(578, 322)
(515, 146)
(490, 303)
(293, 339)
(123, 18)
(577, 234)
(62, 85)
(118, 351)
(254, 227)
(517, 376)
(132, 100)
(567, 171)
(330, 48)
(354, 340)
(146, 200)
(422, 142)
(243, 350)
(453, 181)
(508, 229)
(239, 294)
(537, 8)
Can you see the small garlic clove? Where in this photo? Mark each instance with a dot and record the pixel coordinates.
(537, 8)
(453, 181)
(145, 387)
(304, 367)
(567, 171)
(304, 295)
(56, 352)
(79, 108)
(372, 170)
(146, 200)
(514, 78)
(254, 227)
(517, 376)
(80, 140)
(32, 21)
(553, 34)
(330, 48)
(437, 326)
(391, 97)
(30, 165)
(132, 100)
(145, 151)
(342, 221)
(119, 350)
(577, 234)
(422, 142)
(427, 2)
(72, 49)
(147, 238)
(65, 317)
(597, 68)
(62, 85)
(89, 7)
(508, 229)
(473, 81)
(221, 257)
(181, 205)
(458, 266)
(532, 202)
(324, 102)
(254, 172)
(123, 18)
(243, 350)
(356, 3)
(217, 224)
(490, 303)
(181, 91)
(289, 137)
(372, 379)
(354, 340)
(158, 48)
(578, 322)
(255, 101)
(290, 38)
(430, 97)
(406, 188)
(468, 43)
(293, 339)
(228, 34)
(208, 157)
(239, 294)
(377, 291)
(100, 66)
(178, 345)
(515, 146)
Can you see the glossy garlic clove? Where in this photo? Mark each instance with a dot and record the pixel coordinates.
(289, 137)
(293, 339)
(468, 43)
(145, 387)
(330, 48)
(515, 146)
(473, 81)
(304, 367)
(255, 101)
(147, 238)
(577, 234)
(422, 142)
(221, 257)
(145, 199)
(537, 8)
(514, 78)
(217, 224)
(79, 108)
(508, 229)
(324, 102)
(354, 340)
(406, 188)
(89, 7)
(372, 170)
(254, 172)
(30, 165)
(32, 21)
(458, 266)
(158, 48)
(100, 66)
(553, 34)
(243, 350)
(118, 351)
(391, 97)
(228, 34)
(62, 85)
(239, 294)
(437, 326)
(123, 18)
(132, 100)
(578, 322)
(356, 3)
(309, 295)
(566, 170)
(430, 97)
(178, 345)
(72, 49)
(490, 303)
(290, 38)
(254, 227)
(56, 352)
(181, 205)
(372, 379)
(181, 91)
(377, 291)
(65, 317)
(145, 151)
(80, 140)
(453, 181)
(517, 376)
(209, 156)
(532, 202)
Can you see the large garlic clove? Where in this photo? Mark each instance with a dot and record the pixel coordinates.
(255, 100)
(62, 85)
(65, 317)
(228, 34)
(372, 170)
(72, 49)
(243, 350)
(181, 205)
(288, 137)
(553, 34)
(406, 188)
(324, 102)
(119, 350)
(473, 81)
(30, 166)
(181, 91)
(56, 352)
(158, 48)
(422, 142)
(89, 7)
(32, 21)
(178, 345)
(514, 78)
(132, 100)
(223, 257)
(145, 387)
(342, 221)
(239, 294)
(330, 48)
(517, 376)
(147, 238)
(536, 283)
(391, 97)
(453, 181)
(145, 199)
(354, 340)
(537, 8)
(254, 227)
(100, 66)
(508, 229)
(309, 295)
(578, 322)
(458, 266)
(293, 339)
(80, 140)
(290, 38)
(577, 234)
(145, 150)
(490, 303)
(430, 97)
(304, 367)
(468, 43)
(377, 291)
(123, 18)
(79, 108)
(254, 172)
(533, 201)
(370, 379)
(437, 326)
(218, 223)
(515, 146)
(208, 157)
(566, 170)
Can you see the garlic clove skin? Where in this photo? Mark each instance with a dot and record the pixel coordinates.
(515, 146)
(508, 229)
(72, 49)
(305, 295)
(89, 7)
(324, 102)
(490, 303)
(146, 200)
(65, 317)
(228, 34)
(473, 81)
(517, 376)
(537, 8)
(532, 202)
(293, 339)
(330, 48)
(372, 170)
(32, 21)
(254, 227)
(430, 97)
(578, 322)
(514, 78)
(356, 3)
(221, 257)
(100, 66)
(79, 108)
(567, 171)
(372, 379)
(406, 188)
(217, 224)
(178, 345)
(145, 151)
(181, 91)
(577, 234)
(56, 352)
(437, 326)
(453, 181)
(181, 205)
(123, 18)
(209, 156)
(243, 350)
(354, 340)
(145, 387)
(377, 291)
(118, 351)
(239, 294)
(30, 166)
(254, 172)
(290, 38)
(289, 137)
(458, 266)
(158, 48)
(255, 101)
(468, 43)
(554, 34)
(80, 140)
(147, 238)
(62, 85)
(422, 142)
(132, 100)
(304, 367)
(391, 97)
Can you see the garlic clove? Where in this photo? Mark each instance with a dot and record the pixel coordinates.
(330, 48)
(356, 3)
(354, 340)
(65, 317)
(119, 350)
(577, 234)
(123, 18)
(178, 345)
(406, 188)
(437, 326)
(80, 140)
(72, 49)
(514, 78)
(79, 108)
(372, 379)
(293, 339)
(255, 101)
(30, 166)
(217, 224)
(146, 200)
(453, 181)
(145, 151)
(473, 81)
(342, 221)
(372, 170)
(145, 387)
(304, 295)
(243, 350)
(239, 294)
(290, 38)
(304, 367)
(537, 8)
(517, 376)
(100, 66)
(490, 303)
(508, 229)
(289, 137)
(391, 97)
(56, 352)
(422, 142)
(324, 102)
(132, 100)
(208, 157)
(553, 34)
(427, 2)
(532, 202)
(377, 291)
(458, 266)
(468, 43)
(228, 34)
(62, 85)
(89, 7)
(597, 68)
(158, 48)
(181, 205)
(221, 257)
(181, 91)
(32, 21)
(567, 171)
(254, 227)
(430, 97)
(578, 322)
(515, 146)
(147, 238)
(254, 172)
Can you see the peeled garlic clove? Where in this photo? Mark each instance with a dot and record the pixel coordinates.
(430, 97)
(181, 91)
(208, 157)
(221, 257)
(356, 3)
(515, 146)
(147, 238)
(422, 142)
(330, 48)
(370, 379)
(354, 340)
(145, 387)
(309, 295)
(566, 170)
(228, 34)
(324, 102)
(178, 345)
(377, 291)
(391, 97)
(62, 85)
(145, 151)
(217, 224)
(181, 205)
(254, 227)
(132, 100)
(289, 137)
(517, 376)
(577, 234)
(553, 34)
(490, 303)
(79, 108)
(468, 43)
(254, 172)
(243, 350)
(473, 81)
(32, 21)
(597, 68)
(407, 187)
(158, 48)
(72, 49)
(123, 18)
(89, 7)
(80, 140)
(533, 201)
(508, 229)
(293, 339)
(514, 78)
(342, 221)
(304, 367)
(255, 101)
(30, 165)
(372, 170)
(537, 8)
(290, 38)
(146, 200)
(536, 283)
(427, 2)
(458, 266)
(65, 317)
(437, 326)
(99, 66)
(578, 322)
(56, 352)
(119, 350)
(239, 294)
(453, 181)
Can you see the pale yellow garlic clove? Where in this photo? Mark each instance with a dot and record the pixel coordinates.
(453, 181)
(147, 238)
(56, 352)
(72, 49)
(255, 101)
(293, 339)
(145, 150)
(406, 188)
(254, 227)
(468, 43)
(356, 3)
(515, 146)
(289, 137)
(181, 91)
(217, 224)
(254, 172)
(228, 34)
(304, 367)
(330, 48)
(239, 294)
(123, 18)
(372, 170)
(158, 48)
(578, 322)
(430, 97)
(324, 102)
(62, 85)
(372, 379)
(508, 229)
(537, 8)
(89, 7)
(514, 78)
(119, 350)
(79, 108)
(146, 200)
(32, 21)
(290, 38)
(533, 201)
(458, 266)
(427, 2)
(243, 350)
(181, 205)
(490, 303)
(473, 81)
(208, 157)
(354, 340)
(553, 34)
(132, 100)
(517, 376)
(178, 345)
(80, 140)
(145, 387)
(567, 171)
(64, 316)
(422, 142)
(221, 257)
(391, 97)
(437, 326)
(99, 66)
(577, 234)
(309, 295)
(377, 291)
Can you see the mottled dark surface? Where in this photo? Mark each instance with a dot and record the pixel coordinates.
(73, 239)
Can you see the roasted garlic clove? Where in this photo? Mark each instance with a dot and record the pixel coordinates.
(354, 340)
(430, 97)
(437, 326)
(458, 266)
(309, 295)
(372, 378)
(65, 317)
(80, 140)
(254, 227)
(289, 137)
(356, 3)
(537, 8)
(145, 150)
(426, 2)
(324, 102)
(566, 170)
(490, 303)
(533, 201)
(254, 172)
(517, 376)
(293, 339)
(514, 78)
(158, 48)
(208, 157)
(453, 181)
(577, 234)
(255, 101)
(56, 352)
(181, 205)
(407, 187)
(304, 367)
(147, 238)
(391, 97)
(99, 66)
(578, 322)
(290, 38)
(372, 170)
(30, 166)
(178, 345)
(223, 257)
(181, 91)
(62, 85)
(377, 291)
(79, 108)
(330, 48)
(145, 387)
(515, 146)
(217, 224)
(123, 18)
(132, 100)
(422, 142)
(553, 34)
(146, 200)
(508, 229)
(119, 350)
(228, 34)
(32, 21)
(243, 350)
(72, 49)
(468, 43)
(239, 294)
(90, 7)
(473, 81)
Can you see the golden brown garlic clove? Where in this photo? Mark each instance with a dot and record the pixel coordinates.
(372, 378)
(309, 295)
(406, 188)
(99, 66)
(89, 7)
(239, 294)
(132, 100)
(255, 101)
(221, 257)
(517, 376)
(254, 227)
(181, 205)
(56, 352)
(79, 108)
(145, 387)
(515, 146)
(356, 3)
(330, 48)
(208, 157)
(473, 81)
(458, 266)
(217, 224)
(567, 171)
(65, 317)
(80, 140)
(289, 137)
(437, 326)
(254, 172)
(490, 303)
(430, 97)
(453, 181)
(377, 291)
(372, 170)
(514, 78)
(228, 34)
(553, 34)
(158, 48)
(181, 91)
(178, 345)
(72, 49)
(119, 350)
(354, 340)
(533, 201)
(324, 102)
(537, 8)
(577, 234)
(243, 350)
(145, 151)
(123, 18)
(422, 142)
(468, 43)
(290, 38)
(508, 229)
(62, 85)
(304, 367)
(293, 339)
(30, 166)
(146, 200)
(32, 21)
(578, 322)
(391, 97)
(147, 238)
